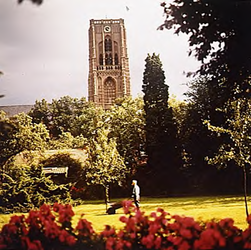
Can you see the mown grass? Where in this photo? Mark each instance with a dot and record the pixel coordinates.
(201, 208)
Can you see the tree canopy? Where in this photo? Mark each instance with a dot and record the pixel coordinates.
(161, 131)
(219, 38)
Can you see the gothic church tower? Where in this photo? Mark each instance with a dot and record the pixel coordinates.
(109, 76)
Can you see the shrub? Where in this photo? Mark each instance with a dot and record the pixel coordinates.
(51, 228)
(25, 187)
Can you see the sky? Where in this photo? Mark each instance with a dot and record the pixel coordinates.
(44, 49)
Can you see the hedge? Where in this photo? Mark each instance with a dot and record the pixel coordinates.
(50, 227)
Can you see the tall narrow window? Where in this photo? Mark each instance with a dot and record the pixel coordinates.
(116, 59)
(108, 59)
(109, 90)
(101, 59)
(100, 48)
(108, 44)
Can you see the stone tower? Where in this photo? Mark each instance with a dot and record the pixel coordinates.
(109, 76)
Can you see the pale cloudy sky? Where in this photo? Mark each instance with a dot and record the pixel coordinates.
(44, 49)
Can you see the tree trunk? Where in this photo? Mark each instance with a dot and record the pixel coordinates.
(245, 189)
(107, 200)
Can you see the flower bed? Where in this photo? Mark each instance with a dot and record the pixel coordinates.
(51, 228)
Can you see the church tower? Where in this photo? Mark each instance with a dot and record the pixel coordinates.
(109, 76)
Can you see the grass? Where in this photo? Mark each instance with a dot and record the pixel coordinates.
(201, 208)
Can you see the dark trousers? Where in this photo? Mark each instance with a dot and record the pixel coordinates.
(136, 202)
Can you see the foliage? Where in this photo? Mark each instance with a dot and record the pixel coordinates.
(19, 133)
(76, 170)
(218, 38)
(66, 114)
(66, 141)
(239, 131)
(75, 179)
(127, 126)
(179, 109)
(51, 228)
(104, 163)
(24, 187)
(198, 142)
(161, 132)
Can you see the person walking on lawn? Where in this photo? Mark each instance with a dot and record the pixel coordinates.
(136, 193)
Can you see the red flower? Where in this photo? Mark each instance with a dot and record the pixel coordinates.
(17, 220)
(148, 241)
(184, 245)
(108, 231)
(31, 245)
(186, 233)
(123, 219)
(65, 212)
(65, 237)
(84, 227)
(109, 243)
(127, 206)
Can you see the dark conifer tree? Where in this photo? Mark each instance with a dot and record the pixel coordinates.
(161, 134)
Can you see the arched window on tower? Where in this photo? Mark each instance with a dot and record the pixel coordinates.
(109, 90)
(108, 44)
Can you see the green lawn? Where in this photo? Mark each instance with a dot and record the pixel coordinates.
(203, 208)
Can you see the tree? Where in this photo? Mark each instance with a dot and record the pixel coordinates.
(24, 187)
(19, 133)
(218, 38)
(127, 126)
(66, 114)
(239, 131)
(161, 132)
(198, 142)
(179, 109)
(104, 164)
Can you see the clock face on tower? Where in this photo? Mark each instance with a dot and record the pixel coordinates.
(107, 29)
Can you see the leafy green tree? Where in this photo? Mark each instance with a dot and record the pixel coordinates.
(24, 187)
(162, 145)
(239, 131)
(198, 142)
(40, 113)
(67, 141)
(85, 123)
(66, 114)
(179, 109)
(218, 38)
(104, 165)
(19, 133)
(127, 126)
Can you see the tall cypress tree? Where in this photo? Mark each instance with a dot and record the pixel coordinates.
(161, 134)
